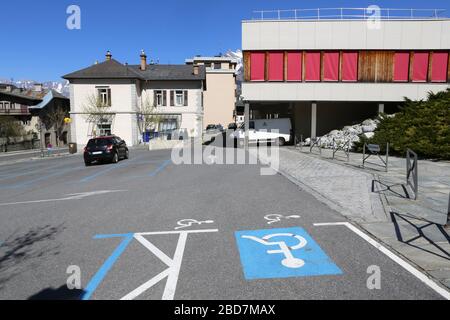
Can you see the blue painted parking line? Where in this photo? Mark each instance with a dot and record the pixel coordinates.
(42, 178)
(282, 253)
(160, 168)
(109, 263)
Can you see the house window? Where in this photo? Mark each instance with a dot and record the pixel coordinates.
(160, 98)
(1, 105)
(104, 129)
(7, 105)
(168, 125)
(104, 95)
(179, 98)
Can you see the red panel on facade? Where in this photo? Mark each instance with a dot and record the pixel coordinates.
(439, 67)
(420, 67)
(312, 66)
(401, 66)
(276, 66)
(257, 66)
(331, 66)
(350, 66)
(294, 66)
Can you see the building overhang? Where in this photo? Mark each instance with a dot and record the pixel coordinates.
(310, 91)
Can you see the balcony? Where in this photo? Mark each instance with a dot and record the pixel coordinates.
(15, 112)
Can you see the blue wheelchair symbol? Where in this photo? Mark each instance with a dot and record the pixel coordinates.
(282, 253)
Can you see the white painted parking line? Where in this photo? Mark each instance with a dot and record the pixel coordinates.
(174, 265)
(418, 274)
(74, 196)
(187, 223)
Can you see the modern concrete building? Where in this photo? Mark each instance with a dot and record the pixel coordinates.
(124, 95)
(220, 91)
(325, 73)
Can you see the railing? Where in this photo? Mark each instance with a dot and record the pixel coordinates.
(316, 143)
(14, 111)
(344, 147)
(371, 12)
(412, 172)
(370, 150)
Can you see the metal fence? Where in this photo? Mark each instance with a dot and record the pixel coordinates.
(412, 172)
(374, 150)
(370, 12)
(344, 147)
(316, 144)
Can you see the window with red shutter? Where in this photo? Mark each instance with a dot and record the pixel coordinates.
(294, 66)
(350, 66)
(420, 67)
(257, 66)
(401, 67)
(276, 66)
(331, 66)
(312, 66)
(439, 66)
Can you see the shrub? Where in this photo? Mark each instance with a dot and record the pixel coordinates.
(423, 126)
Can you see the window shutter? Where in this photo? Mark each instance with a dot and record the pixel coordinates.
(155, 102)
(109, 98)
(172, 98)
(186, 98)
(164, 98)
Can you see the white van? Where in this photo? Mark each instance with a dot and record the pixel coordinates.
(262, 131)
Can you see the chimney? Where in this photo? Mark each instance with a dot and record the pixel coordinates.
(143, 60)
(108, 56)
(196, 69)
(38, 87)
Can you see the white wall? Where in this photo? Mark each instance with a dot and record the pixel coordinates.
(271, 91)
(191, 114)
(123, 103)
(335, 34)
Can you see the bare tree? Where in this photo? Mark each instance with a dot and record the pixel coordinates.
(96, 112)
(54, 118)
(149, 116)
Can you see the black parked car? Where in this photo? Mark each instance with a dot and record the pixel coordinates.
(110, 149)
(232, 126)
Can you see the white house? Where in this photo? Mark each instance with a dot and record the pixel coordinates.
(175, 91)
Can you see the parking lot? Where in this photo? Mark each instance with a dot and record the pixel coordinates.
(147, 229)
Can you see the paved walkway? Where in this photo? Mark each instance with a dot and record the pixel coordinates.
(411, 228)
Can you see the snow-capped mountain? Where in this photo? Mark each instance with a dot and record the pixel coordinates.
(60, 86)
(240, 65)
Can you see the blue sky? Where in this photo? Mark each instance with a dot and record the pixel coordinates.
(38, 45)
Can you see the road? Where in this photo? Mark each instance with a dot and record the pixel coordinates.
(120, 224)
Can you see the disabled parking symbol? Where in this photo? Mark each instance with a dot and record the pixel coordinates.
(282, 253)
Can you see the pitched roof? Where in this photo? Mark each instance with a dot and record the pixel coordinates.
(111, 69)
(115, 70)
(52, 94)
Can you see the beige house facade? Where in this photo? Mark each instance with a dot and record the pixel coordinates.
(220, 93)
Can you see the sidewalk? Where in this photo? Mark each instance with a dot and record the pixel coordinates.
(410, 228)
(27, 155)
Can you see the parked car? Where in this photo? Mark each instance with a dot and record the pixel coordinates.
(232, 126)
(262, 131)
(214, 129)
(111, 149)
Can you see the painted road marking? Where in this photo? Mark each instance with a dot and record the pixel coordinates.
(45, 177)
(293, 253)
(274, 218)
(74, 196)
(187, 223)
(418, 274)
(173, 264)
(160, 168)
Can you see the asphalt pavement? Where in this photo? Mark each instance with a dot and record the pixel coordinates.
(122, 225)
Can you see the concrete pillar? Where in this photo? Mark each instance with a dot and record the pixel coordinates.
(313, 120)
(381, 108)
(247, 123)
